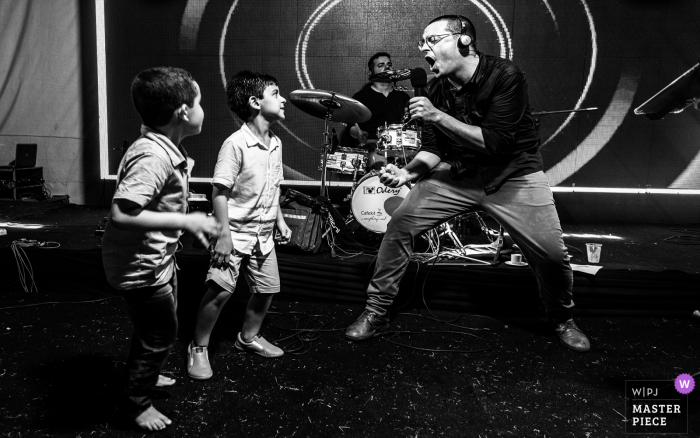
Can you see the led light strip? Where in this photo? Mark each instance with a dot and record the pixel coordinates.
(625, 190)
(640, 191)
(102, 89)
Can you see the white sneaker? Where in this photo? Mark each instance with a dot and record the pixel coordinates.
(258, 346)
(198, 366)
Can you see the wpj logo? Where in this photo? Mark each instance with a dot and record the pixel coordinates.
(658, 406)
(684, 383)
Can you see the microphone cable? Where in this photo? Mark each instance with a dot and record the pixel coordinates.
(24, 266)
(490, 345)
(308, 328)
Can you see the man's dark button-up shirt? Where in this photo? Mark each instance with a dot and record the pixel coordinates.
(496, 100)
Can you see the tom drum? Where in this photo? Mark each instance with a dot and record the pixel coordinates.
(346, 160)
(397, 142)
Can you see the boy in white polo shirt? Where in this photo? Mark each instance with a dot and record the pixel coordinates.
(246, 195)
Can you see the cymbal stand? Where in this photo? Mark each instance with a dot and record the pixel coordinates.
(326, 146)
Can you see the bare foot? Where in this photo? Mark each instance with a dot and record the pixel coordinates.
(164, 381)
(152, 420)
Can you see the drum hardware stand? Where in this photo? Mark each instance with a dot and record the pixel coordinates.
(349, 218)
(451, 234)
(326, 146)
(447, 230)
(330, 226)
(356, 163)
(496, 244)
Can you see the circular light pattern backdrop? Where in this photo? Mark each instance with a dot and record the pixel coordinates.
(614, 114)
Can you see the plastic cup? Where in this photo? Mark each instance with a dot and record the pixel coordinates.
(593, 252)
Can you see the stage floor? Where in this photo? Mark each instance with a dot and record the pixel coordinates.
(62, 348)
(60, 365)
(642, 271)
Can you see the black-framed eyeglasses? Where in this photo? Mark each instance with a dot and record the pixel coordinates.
(434, 39)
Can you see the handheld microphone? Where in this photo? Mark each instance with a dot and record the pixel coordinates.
(419, 79)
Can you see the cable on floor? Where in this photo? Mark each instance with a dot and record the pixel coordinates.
(24, 266)
(306, 331)
(686, 236)
(58, 302)
(451, 322)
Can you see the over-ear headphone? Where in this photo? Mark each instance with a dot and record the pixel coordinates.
(464, 39)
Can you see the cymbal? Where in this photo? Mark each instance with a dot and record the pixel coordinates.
(322, 103)
(391, 76)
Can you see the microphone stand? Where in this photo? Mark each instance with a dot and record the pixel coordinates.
(546, 113)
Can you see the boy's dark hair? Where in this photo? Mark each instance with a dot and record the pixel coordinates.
(242, 86)
(158, 91)
(370, 63)
(458, 24)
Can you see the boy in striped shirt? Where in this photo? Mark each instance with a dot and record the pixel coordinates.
(246, 195)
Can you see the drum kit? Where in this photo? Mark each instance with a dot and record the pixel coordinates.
(372, 203)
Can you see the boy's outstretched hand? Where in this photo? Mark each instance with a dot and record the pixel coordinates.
(202, 225)
(285, 233)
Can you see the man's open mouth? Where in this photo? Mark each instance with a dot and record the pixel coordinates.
(431, 61)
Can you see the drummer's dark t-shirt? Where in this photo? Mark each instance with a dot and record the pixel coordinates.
(385, 109)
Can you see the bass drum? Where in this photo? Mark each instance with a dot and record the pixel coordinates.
(373, 203)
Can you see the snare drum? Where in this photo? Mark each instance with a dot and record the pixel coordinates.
(345, 160)
(373, 203)
(397, 142)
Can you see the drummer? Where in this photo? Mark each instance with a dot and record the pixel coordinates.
(386, 103)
